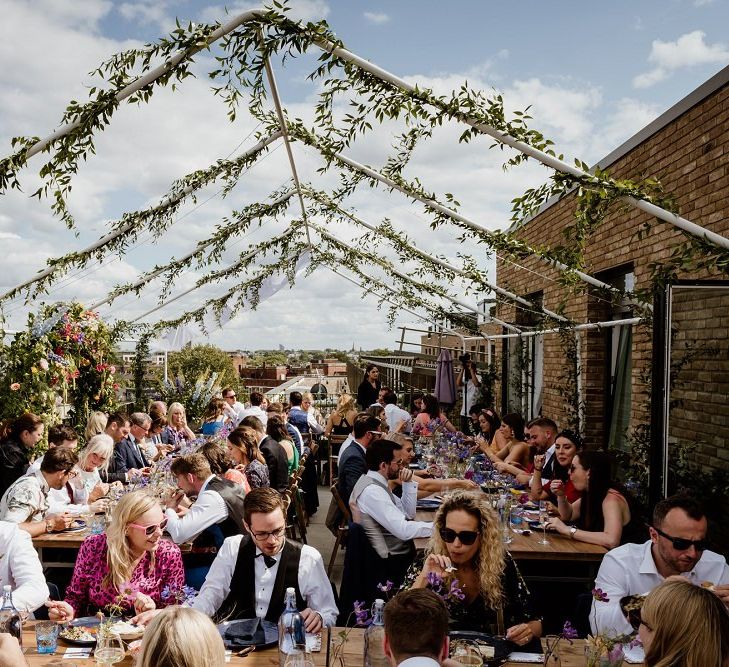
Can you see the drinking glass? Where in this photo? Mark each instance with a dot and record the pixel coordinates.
(543, 520)
(505, 510)
(46, 636)
(98, 524)
(516, 520)
(109, 649)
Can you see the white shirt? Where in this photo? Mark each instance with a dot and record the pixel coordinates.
(35, 466)
(314, 585)
(234, 411)
(394, 517)
(418, 661)
(26, 499)
(631, 570)
(395, 416)
(471, 391)
(253, 411)
(208, 509)
(21, 569)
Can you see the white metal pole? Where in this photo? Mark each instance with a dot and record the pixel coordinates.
(165, 365)
(589, 326)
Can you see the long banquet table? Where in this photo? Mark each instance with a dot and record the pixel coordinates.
(260, 658)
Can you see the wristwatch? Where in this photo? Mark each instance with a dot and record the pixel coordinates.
(49, 526)
(573, 530)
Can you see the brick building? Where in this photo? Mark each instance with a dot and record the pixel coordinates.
(687, 149)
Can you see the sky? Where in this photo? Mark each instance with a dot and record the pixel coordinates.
(593, 73)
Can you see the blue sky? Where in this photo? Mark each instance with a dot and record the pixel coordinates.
(595, 74)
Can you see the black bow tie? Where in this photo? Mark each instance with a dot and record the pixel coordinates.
(269, 561)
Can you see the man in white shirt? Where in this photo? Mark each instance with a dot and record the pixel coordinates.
(26, 501)
(233, 408)
(398, 420)
(255, 410)
(215, 515)
(20, 568)
(677, 547)
(428, 647)
(468, 378)
(387, 519)
(250, 574)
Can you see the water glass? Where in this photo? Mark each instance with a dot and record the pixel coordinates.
(109, 649)
(98, 524)
(516, 519)
(46, 636)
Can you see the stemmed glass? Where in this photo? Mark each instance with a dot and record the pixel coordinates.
(109, 648)
(543, 521)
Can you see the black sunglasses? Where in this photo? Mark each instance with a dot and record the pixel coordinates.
(681, 543)
(467, 537)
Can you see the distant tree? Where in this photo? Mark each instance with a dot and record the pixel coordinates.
(340, 355)
(381, 352)
(269, 358)
(192, 362)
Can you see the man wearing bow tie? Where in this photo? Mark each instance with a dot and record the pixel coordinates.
(251, 573)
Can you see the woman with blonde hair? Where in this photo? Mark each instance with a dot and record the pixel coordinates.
(696, 636)
(341, 420)
(181, 637)
(129, 566)
(95, 424)
(177, 431)
(466, 548)
(87, 486)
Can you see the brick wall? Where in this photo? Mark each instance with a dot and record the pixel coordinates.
(690, 156)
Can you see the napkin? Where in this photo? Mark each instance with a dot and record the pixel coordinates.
(77, 653)
(633, 654)
(245, 633)
(520, 656)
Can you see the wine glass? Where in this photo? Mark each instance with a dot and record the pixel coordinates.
(109, 648)
(543, 521)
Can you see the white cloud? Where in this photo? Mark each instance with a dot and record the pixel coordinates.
(703, 3)
(688, 50)
(376, 17)
(148, 12)
(300, 10)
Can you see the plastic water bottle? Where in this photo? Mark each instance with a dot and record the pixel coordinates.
(291, 633)
(10, 620)
(374, 639)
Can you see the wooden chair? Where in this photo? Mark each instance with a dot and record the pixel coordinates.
(341, 529)
(334, 441)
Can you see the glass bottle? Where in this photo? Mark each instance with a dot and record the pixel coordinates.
(10, 620)
(374, 639)
(291, 633)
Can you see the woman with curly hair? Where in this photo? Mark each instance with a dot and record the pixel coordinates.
(698, 636)
(466, 548)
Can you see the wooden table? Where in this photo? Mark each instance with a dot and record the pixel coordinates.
(264, 658)
(527, 547)
(572, 655)
(53, 541)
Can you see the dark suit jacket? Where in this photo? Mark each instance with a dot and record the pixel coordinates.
(128, 455)
(277, 462)
(352, 466)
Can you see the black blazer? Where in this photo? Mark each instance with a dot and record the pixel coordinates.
(128, 455)
(352, 465)
(277, 462)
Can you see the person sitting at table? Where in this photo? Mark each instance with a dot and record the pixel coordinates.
(21, 569)
(416, 404)
(276, 428)
(467, 537)
(243, 450)
(341, 419)
(177, 432)
(566, 446)
(273, 454)
(181, 637)
(605, 514)
(423, 424)
(677, 546)
(222, 465)
(683, 624)
(388, 520)
(17, 439)
(130, 565)
(251, 573)
(428, 647)
(26, 500)
(214, 417)
(128, 453)
(398, 420)
(516, 451)
(487, 426)
(61, 436)
(217, 513)
(95, 424)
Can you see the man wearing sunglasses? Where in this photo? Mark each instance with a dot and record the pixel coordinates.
(677, 547)
(251, 573)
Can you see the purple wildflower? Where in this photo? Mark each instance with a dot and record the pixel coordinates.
(362, 616)
(435, 581)
(455, 591)
(599, 595)
(568, 632)
(386, 587)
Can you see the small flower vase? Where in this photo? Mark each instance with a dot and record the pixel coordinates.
(602, 656)
(551, 653)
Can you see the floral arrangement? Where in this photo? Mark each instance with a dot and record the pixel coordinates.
(552, 641)
(65, 357)
(602, 650)
(183, 596)
(195, 396)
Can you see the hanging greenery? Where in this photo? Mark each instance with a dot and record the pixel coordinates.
(141, 357)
